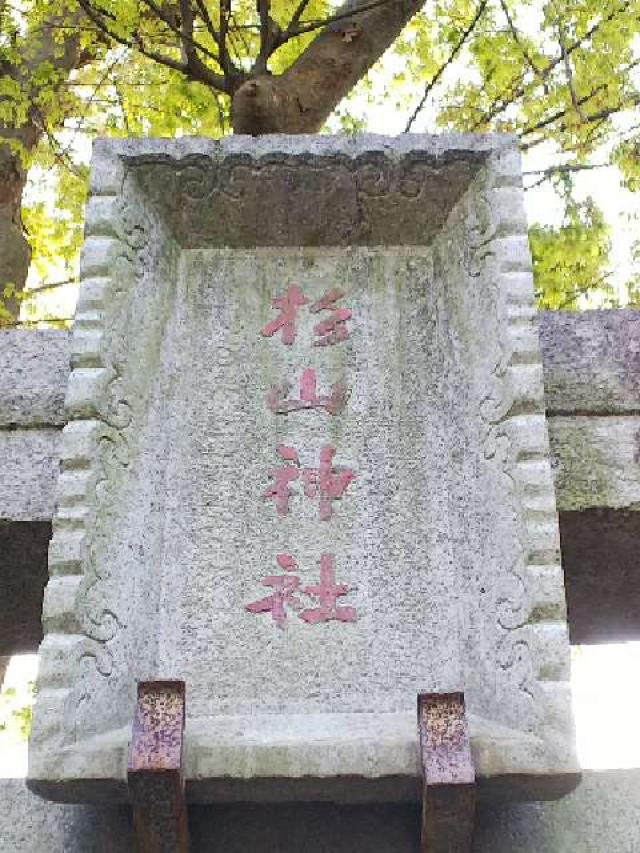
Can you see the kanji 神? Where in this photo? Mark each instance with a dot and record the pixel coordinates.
(334, 330)
(326, 482)
(283, 596)
(331, 331)
(289, 304)
(282, 477)
(279, 403)
(327, 593)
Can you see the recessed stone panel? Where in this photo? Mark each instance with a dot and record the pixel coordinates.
(306, 471)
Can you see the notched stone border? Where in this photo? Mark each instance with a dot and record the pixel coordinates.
(65, 639)
(514, 412)
(538, 628)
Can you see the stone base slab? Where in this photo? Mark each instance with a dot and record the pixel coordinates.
(274, 758)
(600, 816)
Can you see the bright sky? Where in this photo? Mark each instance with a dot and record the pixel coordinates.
(619, 206)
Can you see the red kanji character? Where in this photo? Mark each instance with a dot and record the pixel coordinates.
(283, 475)
(284, 587)
(327, 593)
(331, 483)
(334, 330)
(309, 398)
(288, 305)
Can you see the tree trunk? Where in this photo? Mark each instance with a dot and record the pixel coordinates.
(15, 252)
(4, 665)
(301, 99)
(42, 54)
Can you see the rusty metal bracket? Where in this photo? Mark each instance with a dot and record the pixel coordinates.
(155, 770)
(449, 792)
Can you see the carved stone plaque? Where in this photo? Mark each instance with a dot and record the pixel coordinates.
(306, 471)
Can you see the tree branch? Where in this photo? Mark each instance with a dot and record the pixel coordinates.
(223, 48)
(519, 88)
(239, 31)
(263, 12)
(456, 50)
(569, 74)
(302, 98)
(516, 36)
(266, 33)
(593, 118)
(299, 12)
(198, 71)
(564, 169)
(184, 33)
(349, 14)
(584, 289)
(206, 17)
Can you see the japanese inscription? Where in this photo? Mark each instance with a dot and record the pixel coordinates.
(280, 404)
(287, 590)
(325, 483)
(330, 331)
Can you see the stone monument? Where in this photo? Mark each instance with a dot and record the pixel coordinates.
(306, 472)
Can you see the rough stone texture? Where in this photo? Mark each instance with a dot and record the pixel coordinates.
(595, 468)
(591, 365)
(599, 817)
(34, 368)
(592, 390)
(23, 575)
(448, 534)
(31, 825)
(591, 370)
(30, 460)
(591, 362)
(596, 461)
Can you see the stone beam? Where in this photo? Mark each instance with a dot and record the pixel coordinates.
(600, 815)
(34, 366)
(592, 384)
(591, 362)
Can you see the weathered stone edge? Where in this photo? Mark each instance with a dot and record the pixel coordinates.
(443, 147)
(34, 368)
(521, 419)
(88, 393)
(86, 399)
(591, 363)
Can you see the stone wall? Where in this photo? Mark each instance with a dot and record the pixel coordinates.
(34, 367)
(599, 817)
(592, 385)
(592, 379)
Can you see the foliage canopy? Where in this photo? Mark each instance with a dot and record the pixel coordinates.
(560, 74)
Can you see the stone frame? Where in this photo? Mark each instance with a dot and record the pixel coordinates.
(119, 251)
